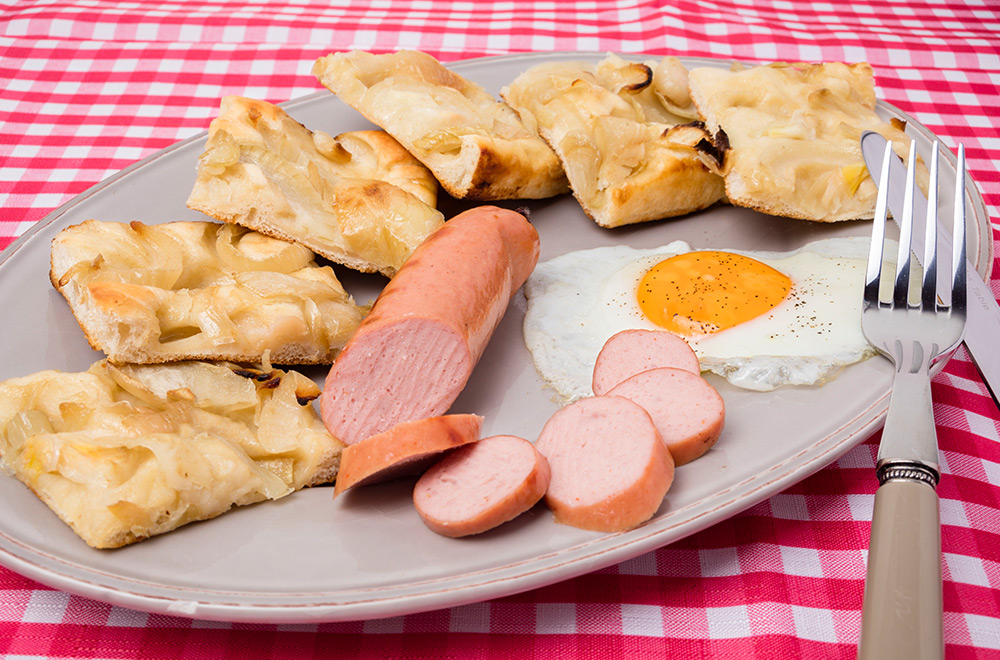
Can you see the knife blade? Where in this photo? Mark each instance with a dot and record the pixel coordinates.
(982, 327)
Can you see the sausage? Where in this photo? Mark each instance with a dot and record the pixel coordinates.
(688, 412)
(414, 352)
(610, 468)
(630, 352)
(481, 485)
(404, 450)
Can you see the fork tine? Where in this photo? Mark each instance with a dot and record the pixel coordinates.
(902, 587)
(901, 292)
(928, 292)
(874, 271)
(958, 231)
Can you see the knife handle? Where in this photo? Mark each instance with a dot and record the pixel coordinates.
(902, 609)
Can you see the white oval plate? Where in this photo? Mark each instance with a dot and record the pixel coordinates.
(308, 558)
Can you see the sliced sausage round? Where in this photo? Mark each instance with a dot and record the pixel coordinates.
(481, 485)
(688, 412)
(404, 450)
(630, 352)
(414, 352)
(610, 469)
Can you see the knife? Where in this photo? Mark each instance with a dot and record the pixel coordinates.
(982, 326)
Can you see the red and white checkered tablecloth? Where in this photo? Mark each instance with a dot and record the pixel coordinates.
(88, 87)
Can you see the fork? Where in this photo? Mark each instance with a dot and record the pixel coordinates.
(902, 609)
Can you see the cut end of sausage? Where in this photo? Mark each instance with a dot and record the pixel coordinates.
(630, 352)
(414, 352)
(481, 486)
(610, 468)
(406, 449)
(688, 412)
(412, 369)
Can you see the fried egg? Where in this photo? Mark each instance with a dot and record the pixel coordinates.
(759, 319)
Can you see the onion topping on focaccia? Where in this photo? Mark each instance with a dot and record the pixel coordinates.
(200, 290)
(476, 146)
(358, 199)
(624, 140)
(124, 453)
(789, 136)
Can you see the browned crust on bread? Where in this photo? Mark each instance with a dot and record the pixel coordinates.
(358, 199)
(789, 134)
(606, 124)
(161, 446)
(136, 322)
(481, 161)
(681, 185)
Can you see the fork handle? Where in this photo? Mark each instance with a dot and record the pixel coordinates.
(902, 610)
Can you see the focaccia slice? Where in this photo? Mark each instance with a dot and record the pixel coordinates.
(476, 146)
(630, 157)
(124, 453)
(793, 133)
(200, 290)
(358, 199)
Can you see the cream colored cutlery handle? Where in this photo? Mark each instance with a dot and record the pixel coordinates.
(901, 614)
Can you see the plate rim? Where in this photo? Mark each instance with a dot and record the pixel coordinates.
(386, 601)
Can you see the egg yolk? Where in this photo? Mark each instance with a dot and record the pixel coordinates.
(699, 293)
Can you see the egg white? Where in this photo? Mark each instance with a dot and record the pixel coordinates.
(578, 300)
